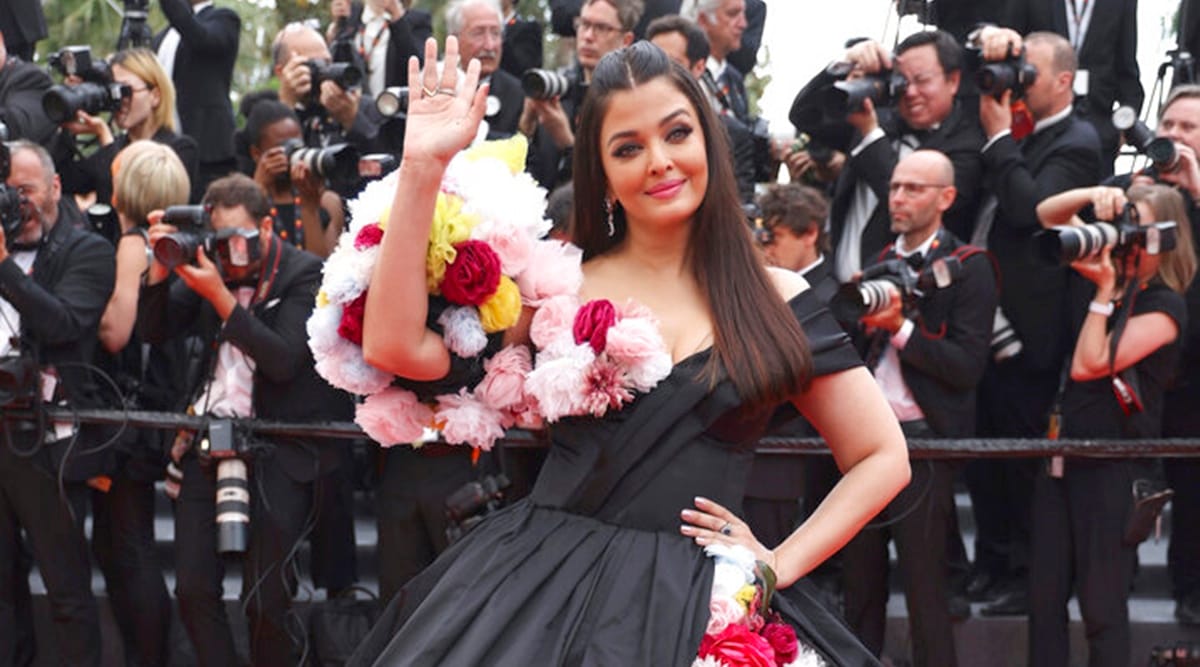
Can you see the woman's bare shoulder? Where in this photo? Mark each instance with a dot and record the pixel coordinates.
(789, 283)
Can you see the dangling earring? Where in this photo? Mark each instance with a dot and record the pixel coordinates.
(608, 207)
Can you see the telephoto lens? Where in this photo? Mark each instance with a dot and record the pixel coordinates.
(233, 506)
(1005, 342)
(543, 84)
(1067, 243)
(1160, 150)
(61, 103)
(854, 300)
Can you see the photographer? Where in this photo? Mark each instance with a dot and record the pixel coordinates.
(306, 214)
(723, 22)
(148, 176)
(927, 351)
(198, 51)
(477, 25)
(1125, 353)
(148, 112)
(253, 309)
(378, 36)
(21, 87)
(1179, 121)
(926, 115)
(602, 26)
(1061, 152)
(54, 282)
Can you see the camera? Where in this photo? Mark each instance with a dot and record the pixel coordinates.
(543, 84)
(392, 102)
(995, 78)
(846, 96)
(345, 75)
(19, 382)
(135, 32)
(102, 218)
(872, 292)
(77, 61)
(1005, 343)
(1181, 654)
(227, 247)
(98, 92)
(471, 502)
(230, 452)
(12, 215)
(376, 165)
(339, 161)
(1068, 243)
(1160, 150)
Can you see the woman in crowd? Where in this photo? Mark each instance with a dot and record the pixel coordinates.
(307, 215)
(147, 176)
(1126, 351)
(148, 112)
(603, 564)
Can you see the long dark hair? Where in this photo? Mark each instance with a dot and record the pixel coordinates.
(757, 342)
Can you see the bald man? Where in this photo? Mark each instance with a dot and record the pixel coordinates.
(927, 353)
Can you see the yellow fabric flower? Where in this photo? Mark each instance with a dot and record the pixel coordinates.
(745, 596)
(503, 309)
(322, 299)
(450, 226)
(383, 217)
(510, 151)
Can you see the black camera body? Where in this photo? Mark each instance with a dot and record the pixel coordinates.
(345, 75)
(997, 77)
(12, 215)
(846, 96)
(337, 163)
(871, 293)
(1068, 243)
(97, 93)
(227, 247)
(1160, 150)
(473, 501)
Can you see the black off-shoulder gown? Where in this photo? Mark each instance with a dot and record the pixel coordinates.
(590, 569)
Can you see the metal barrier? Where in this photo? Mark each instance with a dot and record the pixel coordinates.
(967, 448)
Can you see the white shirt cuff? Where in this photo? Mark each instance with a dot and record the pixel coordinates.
(872, 137)
(900, 338)
(1002, 133)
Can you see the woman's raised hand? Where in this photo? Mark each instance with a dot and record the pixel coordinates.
(443, 113)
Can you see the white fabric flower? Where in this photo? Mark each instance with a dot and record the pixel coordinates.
(464, 333)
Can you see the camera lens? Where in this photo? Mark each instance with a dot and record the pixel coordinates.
(542, 84)
(854, 300)
(176, 249)
(233, 506)
(1066, 244)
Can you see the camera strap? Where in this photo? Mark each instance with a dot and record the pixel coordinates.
(1124, 384)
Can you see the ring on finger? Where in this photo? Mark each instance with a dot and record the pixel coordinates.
(726, 529)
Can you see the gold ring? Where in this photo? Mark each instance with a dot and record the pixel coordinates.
(428, 92)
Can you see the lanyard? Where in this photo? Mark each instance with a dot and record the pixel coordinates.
(363, 51)
(1080, 16)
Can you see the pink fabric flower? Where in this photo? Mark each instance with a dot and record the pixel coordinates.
(473, 275)
(782, 638)
(554, 269)
(503, 387)
(592, 322)
(512, 244)
(393, 416)
(737, 645)
(351, 325)
(721, 612)
(605, 387)
(637, 344)
(560, 383)
(368, 237)
(464, 419)
(552, 320)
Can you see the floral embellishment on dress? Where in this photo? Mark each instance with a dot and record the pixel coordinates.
(485, 257)
(593, 357)
(742, 629)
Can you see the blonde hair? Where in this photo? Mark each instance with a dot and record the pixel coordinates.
(1177, 267)
(144, 65)
(148, 176)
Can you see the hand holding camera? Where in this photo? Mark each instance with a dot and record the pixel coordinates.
(891, 317)
(548, 113)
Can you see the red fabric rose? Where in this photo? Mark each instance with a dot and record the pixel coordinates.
(368, 237)
(474, 274)
(592, 323)
(737, 646)
(351, 326)
(782, 638)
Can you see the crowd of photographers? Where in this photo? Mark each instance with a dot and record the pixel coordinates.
(952, 199)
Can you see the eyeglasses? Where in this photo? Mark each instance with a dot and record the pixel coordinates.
(602, 30)
(480, 33)
(912, 188)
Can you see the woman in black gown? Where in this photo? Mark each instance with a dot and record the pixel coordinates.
(595, 568)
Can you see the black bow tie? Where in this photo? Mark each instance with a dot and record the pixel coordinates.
(17, 246)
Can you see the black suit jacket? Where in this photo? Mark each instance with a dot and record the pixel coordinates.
(94, 172)
(22, 23)
(272, 333)
(507, 89)
(959, 137)
(203, 74)
(406, 37)
(948, 350)
(522, 46)
(747, 54)
(60, 306)
(1108, 53)
(1021, 174)
(22, 85)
